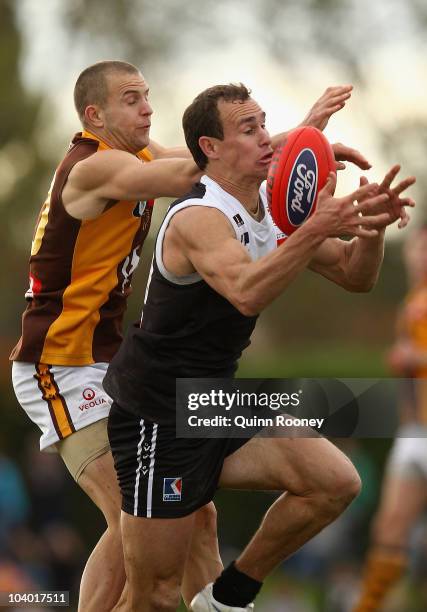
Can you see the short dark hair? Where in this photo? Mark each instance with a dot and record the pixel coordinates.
(92, 88)
(202, 117)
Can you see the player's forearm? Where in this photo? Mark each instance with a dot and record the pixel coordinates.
(264, 280)
(160, 152)
(277, 140)
(364, 263)
(177, 152)
(160, 178)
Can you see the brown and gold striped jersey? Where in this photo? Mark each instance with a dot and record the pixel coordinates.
(80, 273)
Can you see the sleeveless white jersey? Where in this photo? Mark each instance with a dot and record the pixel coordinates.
(258, 237)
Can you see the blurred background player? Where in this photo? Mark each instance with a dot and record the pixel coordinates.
(404, 493)
(86, 246)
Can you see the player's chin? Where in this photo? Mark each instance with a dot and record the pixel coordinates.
(262, 170)
(143, 139)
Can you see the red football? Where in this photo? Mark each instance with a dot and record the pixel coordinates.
(298, 171)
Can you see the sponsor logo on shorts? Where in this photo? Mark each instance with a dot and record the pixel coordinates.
(172, 489)
(88, 394)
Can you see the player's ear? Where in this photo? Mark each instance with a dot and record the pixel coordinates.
(93, 116)
(209, 146)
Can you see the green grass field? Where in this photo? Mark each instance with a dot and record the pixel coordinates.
(316, 361)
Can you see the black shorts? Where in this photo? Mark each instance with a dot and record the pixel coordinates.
(160, 475)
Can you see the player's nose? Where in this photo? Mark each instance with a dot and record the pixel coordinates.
(265, 138)
(146, 109)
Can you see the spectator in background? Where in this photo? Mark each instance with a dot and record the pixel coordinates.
(14, 503)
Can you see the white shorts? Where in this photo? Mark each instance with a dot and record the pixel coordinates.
(408, 456)
(61, 399)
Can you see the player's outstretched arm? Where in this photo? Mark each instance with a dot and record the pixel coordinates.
(158, 151)
(118, 175)
(355, 265)
(216, 254)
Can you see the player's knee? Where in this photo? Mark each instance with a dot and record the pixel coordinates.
(206, 520)
(112, 517)
(165, 596)
(342, 488)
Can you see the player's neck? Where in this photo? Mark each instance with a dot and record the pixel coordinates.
(247, 193)
(112, 141)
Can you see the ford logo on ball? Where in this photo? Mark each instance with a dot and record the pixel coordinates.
(302, 187)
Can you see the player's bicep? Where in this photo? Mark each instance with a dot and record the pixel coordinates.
(221, 267)
(214, 251)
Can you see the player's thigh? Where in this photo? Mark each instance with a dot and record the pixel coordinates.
(156, 549)
(87, 455)
(298, 465)
(99, 481)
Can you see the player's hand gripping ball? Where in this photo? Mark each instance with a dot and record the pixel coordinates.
(298, 171)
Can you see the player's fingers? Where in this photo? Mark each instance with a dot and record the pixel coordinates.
(404, 222)
(340, 166)
(362, 232)
(344, 153)
(330, 185)
(339, 98)
(337, 102)
(333, 93)
(362, 192)
(375, 221)
(335, 90)
(407, 202)
(404, 218)
(407, 182)
(359, 160)
(389, 177)
(333, 108)
(369, 204)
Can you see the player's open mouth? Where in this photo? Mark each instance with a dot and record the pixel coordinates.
(266, 159)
